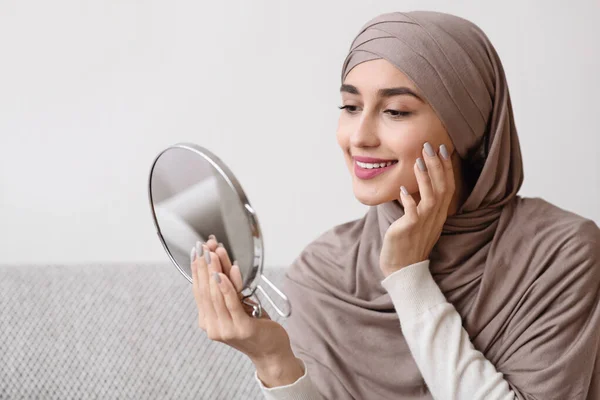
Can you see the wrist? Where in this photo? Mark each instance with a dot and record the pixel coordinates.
(389, 270)
(279, 370)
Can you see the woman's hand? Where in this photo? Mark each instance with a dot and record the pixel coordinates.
(411, 237)
(225, 319)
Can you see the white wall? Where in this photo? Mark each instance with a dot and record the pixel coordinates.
(91, 91)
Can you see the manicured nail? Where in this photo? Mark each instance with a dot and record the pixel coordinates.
(199, 249)
(444, 152)
(429, 149)
(207, 257)
(220, 244)
(193, 254)
(217, 277)
(213, 237)
(404, 191)
(421, 164)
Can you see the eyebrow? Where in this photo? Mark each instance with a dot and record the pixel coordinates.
(386, 92)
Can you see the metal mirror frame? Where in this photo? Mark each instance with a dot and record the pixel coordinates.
(258, 259)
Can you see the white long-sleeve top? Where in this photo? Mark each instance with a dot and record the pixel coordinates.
(451, 367)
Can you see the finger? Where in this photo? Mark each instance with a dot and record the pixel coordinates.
(235, 276)
(224, 259)
(232, 301)
(203, 284)
(435, 168)
(212, 242)
(448, 171)
(213, 262)
(193, 267)
(196, 287)
(427, 202)
(409, 204)
(221, 310)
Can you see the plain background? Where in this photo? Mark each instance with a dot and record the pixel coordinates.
(91, 91)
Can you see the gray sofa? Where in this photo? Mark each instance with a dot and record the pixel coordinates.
(112, 332)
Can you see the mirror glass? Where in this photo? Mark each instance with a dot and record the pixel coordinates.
(194, 195)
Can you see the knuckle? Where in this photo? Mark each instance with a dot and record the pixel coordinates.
(228, 335)
(436, 164)
(244, 333)
(204, 295)
(451, 186)
(412, 221)
(398, 230)
(225, 289)
(427, 205)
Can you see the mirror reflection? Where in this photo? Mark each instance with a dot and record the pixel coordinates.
(192, 200)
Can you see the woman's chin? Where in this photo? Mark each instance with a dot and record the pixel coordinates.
(370, 198)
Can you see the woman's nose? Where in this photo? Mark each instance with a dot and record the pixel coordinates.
(365, 134)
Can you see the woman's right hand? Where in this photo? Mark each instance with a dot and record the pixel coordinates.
(225, 319)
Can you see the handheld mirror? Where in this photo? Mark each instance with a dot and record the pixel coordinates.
(192, 195)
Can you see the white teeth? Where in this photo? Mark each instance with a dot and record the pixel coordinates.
(375, 165)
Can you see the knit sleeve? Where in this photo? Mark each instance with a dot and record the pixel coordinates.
(302, 389)
(450, 365)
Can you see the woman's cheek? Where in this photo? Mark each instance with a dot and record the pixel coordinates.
(342, 133)
(406, 145)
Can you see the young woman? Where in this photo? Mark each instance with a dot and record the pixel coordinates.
(451, 286)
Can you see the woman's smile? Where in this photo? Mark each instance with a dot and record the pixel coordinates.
(369, 170)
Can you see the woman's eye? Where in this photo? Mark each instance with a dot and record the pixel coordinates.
(396, 113)
(348, 108)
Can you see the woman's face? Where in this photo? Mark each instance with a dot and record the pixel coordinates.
(386, 118)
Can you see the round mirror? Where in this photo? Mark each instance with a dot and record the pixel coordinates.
(192, 195)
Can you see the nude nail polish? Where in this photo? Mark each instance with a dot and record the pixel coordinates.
(199, 249)
(207, 257)
(217, 277)
(428, 149)
(421, 164)
(444, 152)
(193, 254)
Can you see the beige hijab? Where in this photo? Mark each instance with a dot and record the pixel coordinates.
(523, 274)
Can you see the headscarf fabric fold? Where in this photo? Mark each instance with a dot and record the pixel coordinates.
(523, 274)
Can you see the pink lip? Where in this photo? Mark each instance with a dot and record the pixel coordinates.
(365, 173)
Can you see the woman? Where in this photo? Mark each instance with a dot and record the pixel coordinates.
(451, 286)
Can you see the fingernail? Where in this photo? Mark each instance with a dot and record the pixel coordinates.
(220, 244)
(421, 164)
(444, 152)
(404, 191)
(199, 249)
(213, 237)
(207, 257)
(217, 277)
(193, 254)
(429, 149)
(235, 262)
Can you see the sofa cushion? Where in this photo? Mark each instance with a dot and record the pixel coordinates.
(112, 332)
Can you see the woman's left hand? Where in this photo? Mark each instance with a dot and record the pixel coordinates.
(411, 237)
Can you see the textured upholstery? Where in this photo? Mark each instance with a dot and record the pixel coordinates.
(112, 332)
